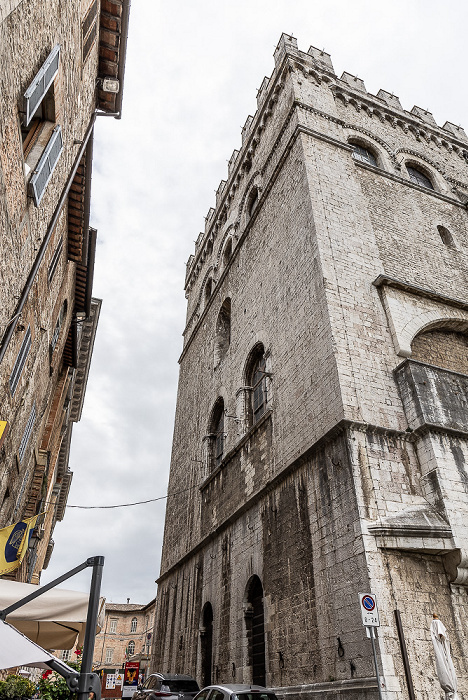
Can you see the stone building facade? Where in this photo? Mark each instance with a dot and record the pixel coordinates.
(321, 433)
(125, 636)
(62, 64)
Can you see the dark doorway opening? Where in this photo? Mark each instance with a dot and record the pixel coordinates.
(256, 631)
(206, 644)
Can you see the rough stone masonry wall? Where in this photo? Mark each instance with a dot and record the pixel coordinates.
(301, 281)
(27, 36)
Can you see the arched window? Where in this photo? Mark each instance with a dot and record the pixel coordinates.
(223, 331)
(255, 627)
(217, 432)
(133, 624)
(131, 648)
(363, 154)
(256, 378)
(418, 177)
(227, 253)
(252, 201)
(445, 236)
(206, 639)
(208, 289)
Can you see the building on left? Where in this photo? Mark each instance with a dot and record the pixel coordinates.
(61, 66)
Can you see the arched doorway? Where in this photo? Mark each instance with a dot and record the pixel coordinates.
(255, 620)
(206, 636)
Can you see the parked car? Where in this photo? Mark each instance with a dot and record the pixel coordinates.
(170, 686)
(235, 691)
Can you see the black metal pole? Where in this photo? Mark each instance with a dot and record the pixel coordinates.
(93, 609)
(404, 654)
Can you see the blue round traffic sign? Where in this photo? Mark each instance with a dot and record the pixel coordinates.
(368, 603)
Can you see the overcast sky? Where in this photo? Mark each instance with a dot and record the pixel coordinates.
(193, 70)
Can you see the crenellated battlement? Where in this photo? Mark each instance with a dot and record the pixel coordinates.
(316, 66)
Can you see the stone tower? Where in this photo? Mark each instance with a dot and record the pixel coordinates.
(321, 436)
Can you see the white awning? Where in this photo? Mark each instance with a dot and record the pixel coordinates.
(54, 619)
(17, 650)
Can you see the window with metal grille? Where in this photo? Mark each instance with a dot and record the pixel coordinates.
(113, 626)
(66, 654)
(419, 178)
(259, 390)
(58, 325)
(133, 625)
(109, 655)
(55, 261)
(27, 433)
(363, 154)
(46, 166)
(38, 89)
(89, 30)
(131, 648)
(20, 361)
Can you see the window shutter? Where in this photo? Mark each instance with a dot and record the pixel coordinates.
(41, 83)
(46, 166)
(20, 361)
(27, 433)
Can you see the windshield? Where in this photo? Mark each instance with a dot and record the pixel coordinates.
(181, 686)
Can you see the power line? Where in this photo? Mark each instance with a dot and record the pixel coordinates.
(137, 503)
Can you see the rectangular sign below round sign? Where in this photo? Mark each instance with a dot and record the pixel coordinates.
(369, 611)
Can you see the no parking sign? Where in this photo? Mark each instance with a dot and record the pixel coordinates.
(369, 611)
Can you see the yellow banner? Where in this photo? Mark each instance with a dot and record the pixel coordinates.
(14, 541)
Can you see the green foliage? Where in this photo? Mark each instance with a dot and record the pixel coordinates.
(54, 687)
(16, 687)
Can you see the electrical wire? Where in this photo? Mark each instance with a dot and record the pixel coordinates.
(137, 503)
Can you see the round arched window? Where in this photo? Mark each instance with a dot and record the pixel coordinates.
(363, 154)
(419, 178)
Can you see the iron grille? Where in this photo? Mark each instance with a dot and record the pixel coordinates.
(55, 260)
(46, 166)
(27, 433)
(20, 361)
(41, 83)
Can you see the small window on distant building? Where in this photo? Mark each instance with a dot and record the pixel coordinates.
(133, 625)
(419, 178)
(223, 331)
(66, 653)
(113, 625)
(131, 648)
(445, 236)
(109, 655)
(363, 154)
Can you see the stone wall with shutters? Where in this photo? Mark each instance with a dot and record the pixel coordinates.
(28, 33)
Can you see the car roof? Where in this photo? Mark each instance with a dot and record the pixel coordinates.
(239, 687)
(173, 676)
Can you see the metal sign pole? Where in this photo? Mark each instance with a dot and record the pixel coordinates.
(371, 634)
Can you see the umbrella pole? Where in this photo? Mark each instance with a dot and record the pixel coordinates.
(371, 632)
(91, 621)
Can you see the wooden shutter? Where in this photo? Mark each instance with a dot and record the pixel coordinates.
(20, 361)
(27, 433)
(41, 83)
(46, 166)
